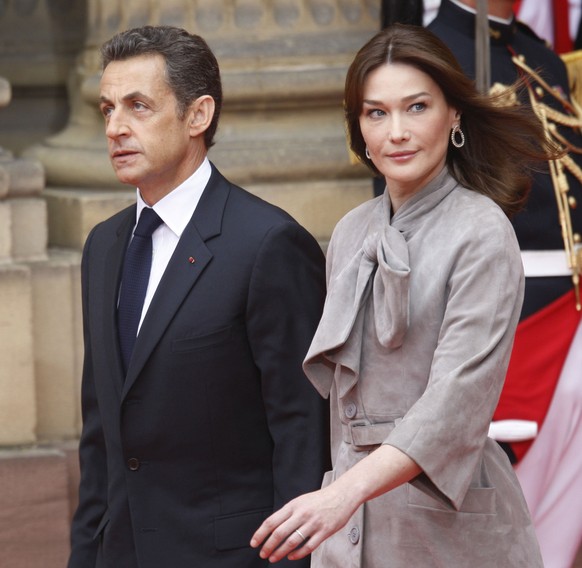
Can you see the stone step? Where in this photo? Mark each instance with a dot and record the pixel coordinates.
(41, 349)
(36, 502)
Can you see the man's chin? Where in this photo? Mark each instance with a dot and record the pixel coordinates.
(126, 177)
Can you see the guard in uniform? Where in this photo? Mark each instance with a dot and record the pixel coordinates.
(539, 417)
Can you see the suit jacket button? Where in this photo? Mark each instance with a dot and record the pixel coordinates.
(133, 464)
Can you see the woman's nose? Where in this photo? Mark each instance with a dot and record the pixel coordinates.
(398, 131)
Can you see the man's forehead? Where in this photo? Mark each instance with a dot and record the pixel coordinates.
(143, 74)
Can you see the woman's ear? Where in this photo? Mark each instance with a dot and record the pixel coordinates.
(457, 119)
(201, 114)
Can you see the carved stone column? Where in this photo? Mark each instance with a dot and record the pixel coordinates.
(281, 133)
(17, 393)
(39, 316)
(40, 347)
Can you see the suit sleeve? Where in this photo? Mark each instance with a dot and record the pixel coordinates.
(285, 302)
(93, 484)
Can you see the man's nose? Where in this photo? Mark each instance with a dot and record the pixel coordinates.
(116, 125)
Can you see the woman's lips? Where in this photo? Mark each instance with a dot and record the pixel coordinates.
(402, 156)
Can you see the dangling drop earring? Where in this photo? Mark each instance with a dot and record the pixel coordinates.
(457, 143)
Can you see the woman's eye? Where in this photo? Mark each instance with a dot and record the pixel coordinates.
(417, 107)
(376, 113)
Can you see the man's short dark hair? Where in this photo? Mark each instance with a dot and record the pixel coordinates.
(191, 68)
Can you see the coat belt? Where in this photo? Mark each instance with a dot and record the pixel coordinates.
(363, 435)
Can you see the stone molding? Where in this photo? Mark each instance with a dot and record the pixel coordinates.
(39, 40)
(40, 326)
(283, 64)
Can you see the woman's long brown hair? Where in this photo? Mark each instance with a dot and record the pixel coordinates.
(503, 143)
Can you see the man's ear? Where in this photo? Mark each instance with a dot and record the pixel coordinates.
(200, 115)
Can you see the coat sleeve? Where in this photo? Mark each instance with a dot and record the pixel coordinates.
(446, 429)
(286, 295)
(93, 484)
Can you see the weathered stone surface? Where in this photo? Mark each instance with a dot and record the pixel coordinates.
(281, 145)
(17, 388)
(34, 508)
(5, 92)
(73, 213)
(5, 232)
(58, 349)
(283, 65)
(26, 177)
(29, 228)
(318, 205)
(39, 40)
(4, 180)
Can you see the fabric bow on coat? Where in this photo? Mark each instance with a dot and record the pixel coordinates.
(381, 268)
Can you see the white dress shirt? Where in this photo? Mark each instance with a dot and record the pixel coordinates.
(175, 210)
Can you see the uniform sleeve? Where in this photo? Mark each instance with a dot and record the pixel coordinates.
(445, 430)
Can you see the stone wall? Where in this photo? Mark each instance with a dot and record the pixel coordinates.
(39, 368)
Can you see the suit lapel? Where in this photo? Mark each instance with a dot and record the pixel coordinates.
(112, 278)
(181, 273)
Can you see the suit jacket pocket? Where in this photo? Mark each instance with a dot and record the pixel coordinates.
(235, 531)
(102, 525)
(214, 339)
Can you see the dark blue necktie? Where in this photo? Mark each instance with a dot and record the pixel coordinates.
(134, 283)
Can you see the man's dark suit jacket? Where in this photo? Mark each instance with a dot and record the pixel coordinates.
(215, 426)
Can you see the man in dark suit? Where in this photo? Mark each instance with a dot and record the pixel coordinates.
(207, 425)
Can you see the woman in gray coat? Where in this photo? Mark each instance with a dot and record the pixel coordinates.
(425, 286)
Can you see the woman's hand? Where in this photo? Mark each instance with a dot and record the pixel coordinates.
(298, 528)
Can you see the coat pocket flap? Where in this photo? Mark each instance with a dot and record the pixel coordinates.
(235, 531)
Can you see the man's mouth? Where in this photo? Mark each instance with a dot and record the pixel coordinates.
(122, 153)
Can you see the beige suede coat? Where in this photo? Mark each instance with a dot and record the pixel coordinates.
(413, 347)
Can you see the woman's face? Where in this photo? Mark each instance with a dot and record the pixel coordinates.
(406, 124)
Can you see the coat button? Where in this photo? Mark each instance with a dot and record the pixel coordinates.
(350, 410)
(133, 464)
(354, 535)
